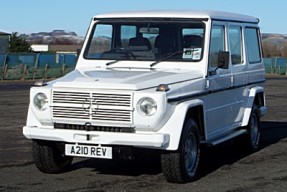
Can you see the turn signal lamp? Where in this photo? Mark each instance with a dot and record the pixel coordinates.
(163, 87)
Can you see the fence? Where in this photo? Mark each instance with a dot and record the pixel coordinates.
(49, 65)
(35, 65)
(275, 65)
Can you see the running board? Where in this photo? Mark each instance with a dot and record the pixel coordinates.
(227, 137)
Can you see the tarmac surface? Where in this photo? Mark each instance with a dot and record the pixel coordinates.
(223, 168)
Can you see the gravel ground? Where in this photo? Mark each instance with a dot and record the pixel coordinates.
(223, 168)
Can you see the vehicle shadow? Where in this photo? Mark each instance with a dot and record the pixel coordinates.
(213, 158)
(229, 152)
(121, 167)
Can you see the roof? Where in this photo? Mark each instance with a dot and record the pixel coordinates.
(208, 14)
(4, 33)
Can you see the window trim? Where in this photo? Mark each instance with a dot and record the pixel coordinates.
(114, 21)
(258, 44)
(242, 43)
(224, 27)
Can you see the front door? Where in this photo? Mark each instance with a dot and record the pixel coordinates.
(218, 105)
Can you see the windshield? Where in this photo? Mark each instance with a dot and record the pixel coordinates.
(125, 39)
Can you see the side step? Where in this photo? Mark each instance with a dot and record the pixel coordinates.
(227, 137)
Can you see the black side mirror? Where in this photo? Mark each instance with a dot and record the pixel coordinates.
(223, 60)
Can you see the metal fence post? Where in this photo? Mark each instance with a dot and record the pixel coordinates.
(45, 72)
(5, 67)
(36, 65)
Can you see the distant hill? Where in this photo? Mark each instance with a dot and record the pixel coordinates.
(56, 37)
(272, 38)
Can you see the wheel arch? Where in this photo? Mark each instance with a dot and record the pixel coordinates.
(174, 127)
(256, 96)
(260, 99)
(197, 114)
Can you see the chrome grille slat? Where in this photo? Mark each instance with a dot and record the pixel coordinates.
(113, 99)
(91, 106)
(69, 97)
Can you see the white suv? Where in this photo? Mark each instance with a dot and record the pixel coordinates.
(166, 81)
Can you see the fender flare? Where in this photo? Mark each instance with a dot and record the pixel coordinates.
(174, 126)
(250, 101)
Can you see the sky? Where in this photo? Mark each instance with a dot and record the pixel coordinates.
(32, 16)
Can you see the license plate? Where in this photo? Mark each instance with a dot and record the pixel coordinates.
(88, 151)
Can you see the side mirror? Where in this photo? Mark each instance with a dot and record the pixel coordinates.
(223, 60)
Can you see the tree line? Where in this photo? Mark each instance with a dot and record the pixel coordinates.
(274, 49)
(18, 44)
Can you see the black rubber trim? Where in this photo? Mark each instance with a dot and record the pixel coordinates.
(89, 127)
(190, 96)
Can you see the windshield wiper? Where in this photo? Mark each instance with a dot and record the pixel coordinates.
(171, 55)
(112, 62)
(128, 54)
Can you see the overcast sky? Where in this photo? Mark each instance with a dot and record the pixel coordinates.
(31, 16)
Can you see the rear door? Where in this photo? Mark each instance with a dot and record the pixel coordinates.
(239, 71)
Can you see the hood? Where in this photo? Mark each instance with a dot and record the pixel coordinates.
(125, 79)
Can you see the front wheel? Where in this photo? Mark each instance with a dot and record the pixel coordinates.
(182, 165)
(49, 158)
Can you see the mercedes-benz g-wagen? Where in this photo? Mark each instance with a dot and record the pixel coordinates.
(164, 81)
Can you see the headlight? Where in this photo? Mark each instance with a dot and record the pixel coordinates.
(40, 101)
(147, 106)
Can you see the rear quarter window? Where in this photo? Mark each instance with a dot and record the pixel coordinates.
(253, 45)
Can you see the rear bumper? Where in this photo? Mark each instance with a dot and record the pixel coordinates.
(141, 139)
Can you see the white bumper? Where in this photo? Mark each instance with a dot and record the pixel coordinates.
(145, 140)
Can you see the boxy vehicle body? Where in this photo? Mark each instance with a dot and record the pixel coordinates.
(167, 81)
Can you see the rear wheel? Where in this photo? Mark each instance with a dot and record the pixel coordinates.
(250, 142)
(49, 158)
(182, 165)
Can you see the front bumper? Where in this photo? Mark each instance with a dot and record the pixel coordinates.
(138, 139)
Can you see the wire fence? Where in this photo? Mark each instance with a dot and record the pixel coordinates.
(15, 66)
(33, 66)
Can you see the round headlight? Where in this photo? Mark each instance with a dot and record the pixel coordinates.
(147, 106)
(40, 101)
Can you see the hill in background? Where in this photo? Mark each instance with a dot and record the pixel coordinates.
(56, 37)
(274, 38)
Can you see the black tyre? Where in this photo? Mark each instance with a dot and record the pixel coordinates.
(250, 142)
(49, 158)
(252, 139)
(182, 165)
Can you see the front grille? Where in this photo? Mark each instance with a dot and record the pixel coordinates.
(101, 98)
(91, 106)
(94, 128)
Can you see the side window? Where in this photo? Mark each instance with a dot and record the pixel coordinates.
(217, 44)
(235, 43)
(101, 41)
(252, 45)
